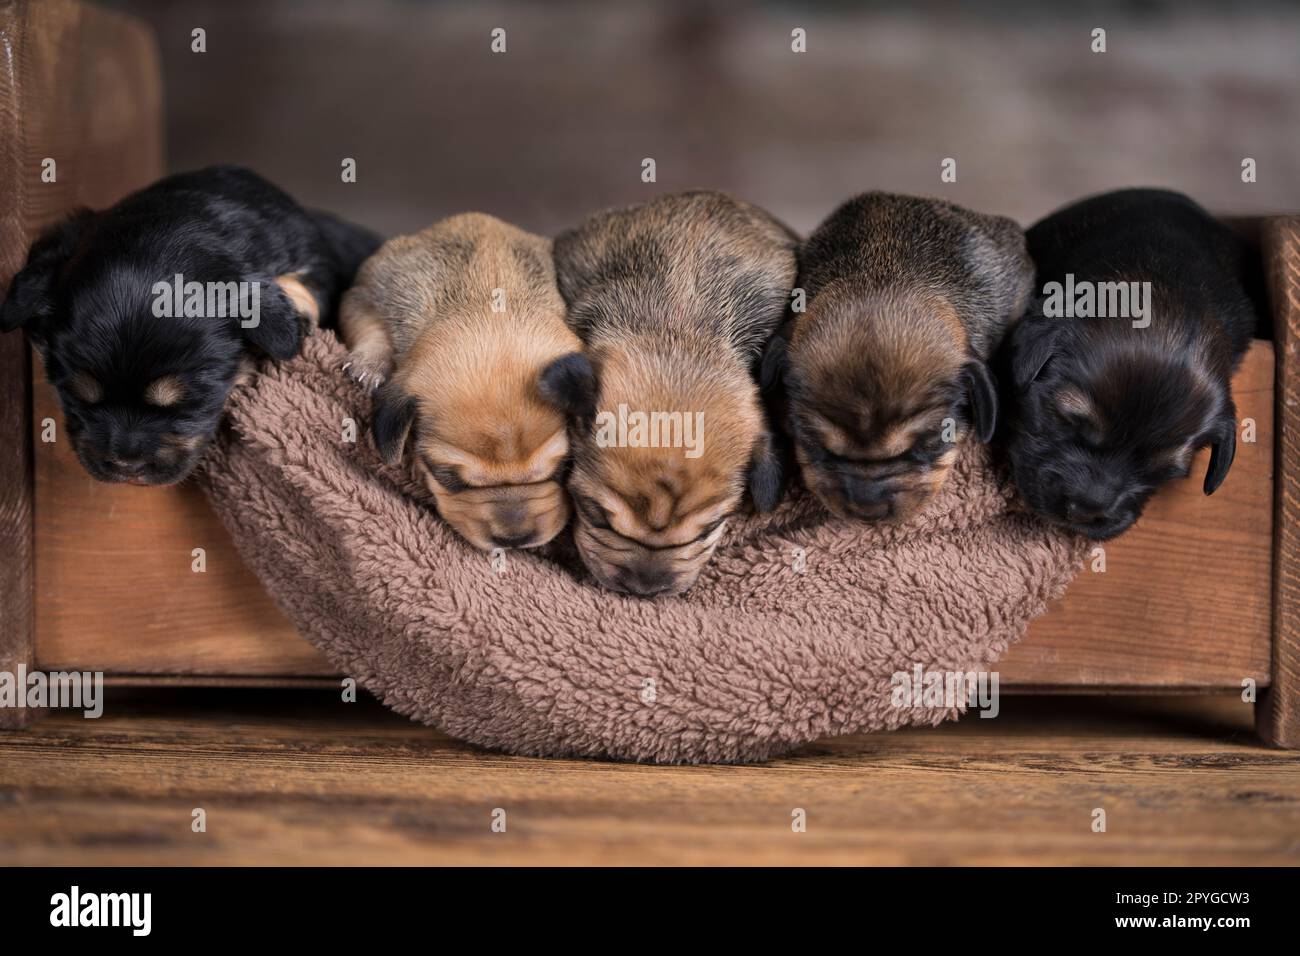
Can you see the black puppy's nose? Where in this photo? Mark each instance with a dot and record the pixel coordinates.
(128, 466)
(512, 540)
(1089, 506)
(126, 446)
(646, 583)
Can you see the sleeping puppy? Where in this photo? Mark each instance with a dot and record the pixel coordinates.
(463, 327)
(886, 371)
(147, 313)
(1109, 407)
(674, 300)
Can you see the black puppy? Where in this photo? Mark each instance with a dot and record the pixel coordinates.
(146, 314)
(1122, 369)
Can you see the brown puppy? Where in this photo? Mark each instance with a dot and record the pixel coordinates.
(674, 300)
(466, 319)
(886, 369)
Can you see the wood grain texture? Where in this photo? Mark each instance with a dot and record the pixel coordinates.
(17, 625)
(1279, 708)
(1185, 597)
(302, 778)
(16, 543)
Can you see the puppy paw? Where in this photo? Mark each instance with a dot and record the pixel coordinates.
(304, 302)
(367, 370)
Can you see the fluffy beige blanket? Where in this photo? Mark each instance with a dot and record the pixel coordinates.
(799, 628)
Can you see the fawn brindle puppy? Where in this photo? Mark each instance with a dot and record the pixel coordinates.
(461, 329)
(886, 369)
(674, 300)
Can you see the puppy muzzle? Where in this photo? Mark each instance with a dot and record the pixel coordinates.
(639, 571)
(1097, 513)
(847, 495)
(134, 459)
(509, 523)
(869, 500)
(1079, 494)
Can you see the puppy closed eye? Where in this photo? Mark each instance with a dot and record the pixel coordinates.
(593, 513)
(928, 447)
(711, 527)
(446, 477)
(1075, 409)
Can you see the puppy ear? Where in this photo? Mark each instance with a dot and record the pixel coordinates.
(569, 383)
(982, 396)
(775, 361)
(394, 414)
(30, 298)
(1222, 450)
(765, 474)
(1033, 344)
(278, 331)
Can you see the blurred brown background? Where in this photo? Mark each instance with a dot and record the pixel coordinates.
(558, 125)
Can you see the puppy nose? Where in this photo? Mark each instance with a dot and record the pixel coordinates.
(646, 583)
(1087, 507)
(126, 446)
(128, 466)
(512, 540)
(867, 498)
(510, 516)
(862, 492)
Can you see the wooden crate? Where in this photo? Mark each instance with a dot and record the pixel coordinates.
(1201, 595)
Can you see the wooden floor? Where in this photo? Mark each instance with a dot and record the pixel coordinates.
(297, 777)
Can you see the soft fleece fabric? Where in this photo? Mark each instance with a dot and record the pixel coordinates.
(531, 657)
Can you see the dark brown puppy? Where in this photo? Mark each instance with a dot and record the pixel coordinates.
(886, 369)
(466, 319)
(674, 300)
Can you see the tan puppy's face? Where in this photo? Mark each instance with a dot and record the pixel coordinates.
(879, 399)
(506, 490)
(493, 452)
(647, 519)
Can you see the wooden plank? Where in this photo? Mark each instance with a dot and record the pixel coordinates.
(16, 594)
(1279, 707)
(1185, 597)
(16, 622)
(307, 779)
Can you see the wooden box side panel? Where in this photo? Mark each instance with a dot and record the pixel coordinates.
(1278, 714)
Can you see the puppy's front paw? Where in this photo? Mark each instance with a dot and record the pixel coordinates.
(304, 303)
(367, 369)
